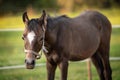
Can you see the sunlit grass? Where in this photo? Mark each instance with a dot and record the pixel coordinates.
(16, 21)
(11, 22)
(113, 15)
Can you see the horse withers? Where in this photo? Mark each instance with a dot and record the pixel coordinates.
(64, 39)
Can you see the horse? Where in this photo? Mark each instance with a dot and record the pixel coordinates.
(64, 39)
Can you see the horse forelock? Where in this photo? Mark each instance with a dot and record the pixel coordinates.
(33, 25)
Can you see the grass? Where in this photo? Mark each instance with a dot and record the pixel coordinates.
(16, 21)
(77, 71)
(115, 43)
(11, 50)
(11, 22)
(40, 73)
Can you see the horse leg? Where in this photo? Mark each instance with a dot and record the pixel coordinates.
(98, 64)
(63, 65)
(104, 54)
(50, 70)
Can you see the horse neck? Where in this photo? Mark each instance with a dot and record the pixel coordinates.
(51, 31)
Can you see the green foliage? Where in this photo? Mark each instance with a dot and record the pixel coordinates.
(41, 4)
(15, 6)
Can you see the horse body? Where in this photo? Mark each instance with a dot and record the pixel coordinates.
(74, 39)
(78, 38)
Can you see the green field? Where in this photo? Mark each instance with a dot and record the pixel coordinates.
(11, 50)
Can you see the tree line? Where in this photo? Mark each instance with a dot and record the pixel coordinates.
(15, 6)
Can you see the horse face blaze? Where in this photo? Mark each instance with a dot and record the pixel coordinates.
(30, 58)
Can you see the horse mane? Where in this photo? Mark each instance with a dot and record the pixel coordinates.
(57, 21)
(32, 24)
(64, 16)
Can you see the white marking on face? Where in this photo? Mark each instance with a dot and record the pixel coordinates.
(31, 36)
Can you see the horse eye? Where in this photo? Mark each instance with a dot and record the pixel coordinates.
(22, 38)
(41, 39)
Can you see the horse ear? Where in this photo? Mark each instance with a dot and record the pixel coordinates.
(25, 17)
(44, 17)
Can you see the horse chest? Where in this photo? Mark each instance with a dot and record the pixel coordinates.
(53, 57)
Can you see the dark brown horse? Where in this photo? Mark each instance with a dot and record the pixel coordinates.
(66, 39)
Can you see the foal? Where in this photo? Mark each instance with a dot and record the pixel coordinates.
(64, 39)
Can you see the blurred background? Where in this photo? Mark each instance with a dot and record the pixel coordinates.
(11, 28)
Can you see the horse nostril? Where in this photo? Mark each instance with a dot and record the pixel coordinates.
(25, 60)
(33, 62)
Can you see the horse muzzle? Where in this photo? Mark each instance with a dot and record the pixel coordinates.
(30, 64)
